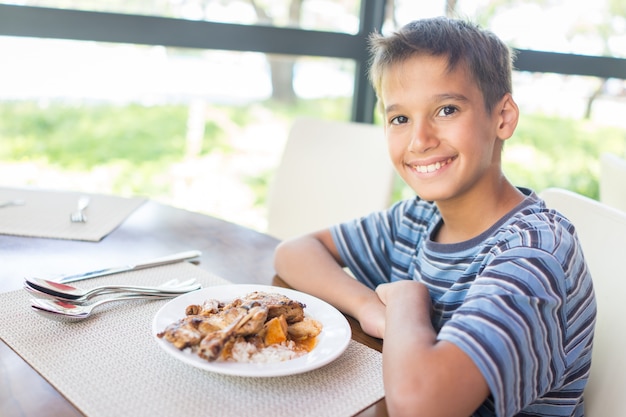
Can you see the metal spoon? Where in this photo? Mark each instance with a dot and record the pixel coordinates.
(68, 292)
(67, 311)
(46, 296)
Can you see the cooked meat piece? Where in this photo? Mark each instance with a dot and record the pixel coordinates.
(187, 332)
(278, 305)
(193, 310)
(253, 322)
(249, 322)
(304, 329)
(225, 318)
(190, 330)
(206, 309)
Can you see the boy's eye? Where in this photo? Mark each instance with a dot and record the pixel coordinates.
(399, 120)
(447, 111)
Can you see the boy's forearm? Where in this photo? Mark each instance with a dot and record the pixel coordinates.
(419, 372)
(307, 265)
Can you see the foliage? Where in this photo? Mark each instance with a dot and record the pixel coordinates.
(557, 152)
(139, 143)
(333, 109)
(82, 137)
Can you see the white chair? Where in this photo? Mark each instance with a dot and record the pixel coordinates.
(602, 233)
(330, 172)
(613, 181)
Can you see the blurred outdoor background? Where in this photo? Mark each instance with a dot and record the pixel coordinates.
(204, 129)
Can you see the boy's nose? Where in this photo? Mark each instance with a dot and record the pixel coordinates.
(423, 138)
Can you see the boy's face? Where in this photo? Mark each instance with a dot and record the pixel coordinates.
(441, 139)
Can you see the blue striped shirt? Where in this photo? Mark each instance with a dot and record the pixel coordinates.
(518, 299)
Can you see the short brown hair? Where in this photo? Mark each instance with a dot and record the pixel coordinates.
(487, 58)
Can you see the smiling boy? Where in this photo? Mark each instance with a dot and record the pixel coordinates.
(481, 293)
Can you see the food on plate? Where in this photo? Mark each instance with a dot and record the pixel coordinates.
(260, 327)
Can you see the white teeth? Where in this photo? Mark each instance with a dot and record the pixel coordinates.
(432, 167)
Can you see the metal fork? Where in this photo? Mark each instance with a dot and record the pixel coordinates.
(78, 216)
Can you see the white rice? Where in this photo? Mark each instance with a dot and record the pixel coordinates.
(245, 352)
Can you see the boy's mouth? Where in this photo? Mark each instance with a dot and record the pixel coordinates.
(432, 167)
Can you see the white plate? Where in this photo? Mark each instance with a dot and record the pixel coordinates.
(331, 342)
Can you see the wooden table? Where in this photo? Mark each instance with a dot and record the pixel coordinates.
(232, 252)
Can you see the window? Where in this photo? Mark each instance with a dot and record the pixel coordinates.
(199, 121)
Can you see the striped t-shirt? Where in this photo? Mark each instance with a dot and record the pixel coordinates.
(518, 299)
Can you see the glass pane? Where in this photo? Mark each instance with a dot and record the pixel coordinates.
(198, 129)
(566, 123)
(568, 26)
(325, 15)
(408, 10)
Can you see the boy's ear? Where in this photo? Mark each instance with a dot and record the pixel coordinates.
(507, 116)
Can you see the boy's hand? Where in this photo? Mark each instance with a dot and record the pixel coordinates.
(371, 316)
(399, 290)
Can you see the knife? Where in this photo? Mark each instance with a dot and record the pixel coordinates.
(166, 260)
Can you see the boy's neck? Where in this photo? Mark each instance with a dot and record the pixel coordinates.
(470, 215)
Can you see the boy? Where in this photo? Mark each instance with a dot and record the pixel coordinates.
(481, 294)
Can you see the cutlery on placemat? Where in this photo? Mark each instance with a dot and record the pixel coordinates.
(41, 288)
(191, 256)
(63, 310)
(79, 216)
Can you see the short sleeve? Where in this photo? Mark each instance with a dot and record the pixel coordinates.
(381, 247)
(364, 245)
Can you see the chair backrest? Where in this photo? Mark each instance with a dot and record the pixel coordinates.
(330, 172)
(602, 233)
(613, 181)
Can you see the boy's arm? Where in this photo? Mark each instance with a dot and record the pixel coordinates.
(311, 264)
(434, 378)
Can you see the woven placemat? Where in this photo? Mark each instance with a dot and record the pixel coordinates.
(46, 213)
(110, 365)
